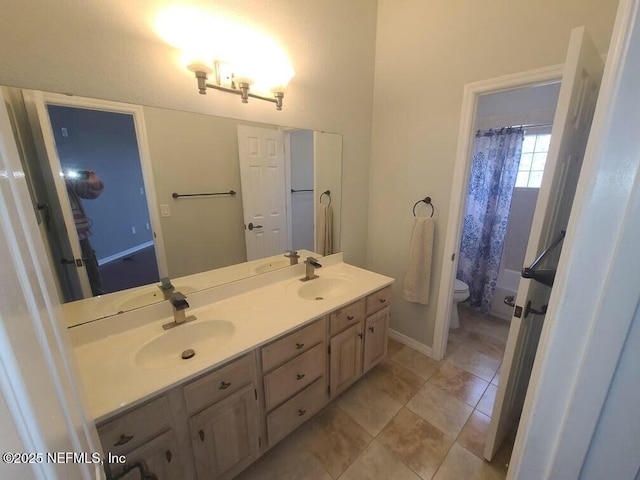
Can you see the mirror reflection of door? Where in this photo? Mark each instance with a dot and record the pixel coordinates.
(102, 188)
(262, 175)
(98, 153)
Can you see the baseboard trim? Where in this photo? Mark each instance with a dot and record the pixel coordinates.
(410, 342)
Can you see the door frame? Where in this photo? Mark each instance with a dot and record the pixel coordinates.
(44, 408)
(41, 99)
(471, 93)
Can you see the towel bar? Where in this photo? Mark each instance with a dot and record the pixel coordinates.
(426, 200)
(327, 193)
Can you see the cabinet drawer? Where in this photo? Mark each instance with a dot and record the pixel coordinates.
(346, 316)
(131, 430)
(292, 345)
(303, 406)
(294, 375)
(378, 300)
(219, 384)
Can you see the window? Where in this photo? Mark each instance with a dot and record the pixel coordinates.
(532, 160)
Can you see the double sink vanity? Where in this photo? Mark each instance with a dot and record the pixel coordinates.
(206, 398)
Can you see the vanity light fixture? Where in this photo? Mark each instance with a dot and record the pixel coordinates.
(237, 85)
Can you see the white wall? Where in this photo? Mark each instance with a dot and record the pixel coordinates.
(109, 50)
(328, 162)
(194, 153)
(302, 203)
(426, 51)
(522, 106)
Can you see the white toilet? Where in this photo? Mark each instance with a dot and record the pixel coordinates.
(460, 294)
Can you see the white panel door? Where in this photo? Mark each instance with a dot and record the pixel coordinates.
(572, 122)
(45, 141)
(262, 175)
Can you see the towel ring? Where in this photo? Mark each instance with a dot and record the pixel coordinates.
(328, 194)
(426, 200)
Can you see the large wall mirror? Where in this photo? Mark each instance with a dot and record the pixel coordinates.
(127, 195)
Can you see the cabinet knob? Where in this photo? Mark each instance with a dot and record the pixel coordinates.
(299, 346)
(224, 385)
(350, 317)
(168, 455)
(371, 329)
(123, 439)
(382, 300)
(201, 434)
(360, 335)
(300, 376)
(301, 412)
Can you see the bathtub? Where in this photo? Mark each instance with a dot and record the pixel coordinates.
(508, 282)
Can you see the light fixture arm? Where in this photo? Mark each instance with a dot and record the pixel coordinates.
(242, 89)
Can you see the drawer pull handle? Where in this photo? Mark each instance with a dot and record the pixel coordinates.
(201, 434)
(299, 346)
(168, 455)
(360, 335)
(371, 329)
(300, 376)
(382, 300)
(224, 385)
(123, 439)
(301, 412)
(350, 317)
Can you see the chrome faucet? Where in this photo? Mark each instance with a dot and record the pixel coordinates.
(166, 287)
(293, 257)
(312, 264)
(180, 305)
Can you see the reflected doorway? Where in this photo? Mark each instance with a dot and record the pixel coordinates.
(100, 163)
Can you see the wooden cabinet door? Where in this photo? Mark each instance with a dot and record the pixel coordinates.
(161, 456)
(346, 358)
(375, 338)
(225, 436)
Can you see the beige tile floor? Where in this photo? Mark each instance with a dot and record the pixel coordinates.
(408, 418)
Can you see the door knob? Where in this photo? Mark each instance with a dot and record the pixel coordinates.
(252, 226)
(509, 300)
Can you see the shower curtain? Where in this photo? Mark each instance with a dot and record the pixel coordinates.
(494, 167)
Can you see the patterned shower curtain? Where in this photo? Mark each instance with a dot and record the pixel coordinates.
(496, 155)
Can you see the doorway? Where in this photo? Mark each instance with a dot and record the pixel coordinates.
(119, 252)
(97, 173)
(510, 146)
(581, 77)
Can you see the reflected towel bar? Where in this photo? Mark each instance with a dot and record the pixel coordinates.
(178, 195)
(297, 191)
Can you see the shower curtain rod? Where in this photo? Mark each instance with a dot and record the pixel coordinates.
(533, 125)
(491, 131)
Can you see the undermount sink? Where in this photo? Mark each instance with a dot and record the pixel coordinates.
(324, 287)
(166, 351)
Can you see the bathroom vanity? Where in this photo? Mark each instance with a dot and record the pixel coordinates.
(270, 352)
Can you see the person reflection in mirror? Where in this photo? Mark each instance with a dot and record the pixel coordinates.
(85, 184)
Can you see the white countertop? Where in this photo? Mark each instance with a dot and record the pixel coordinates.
(113, 381)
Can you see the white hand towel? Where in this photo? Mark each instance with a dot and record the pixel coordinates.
(417, 280)
(325, 230)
